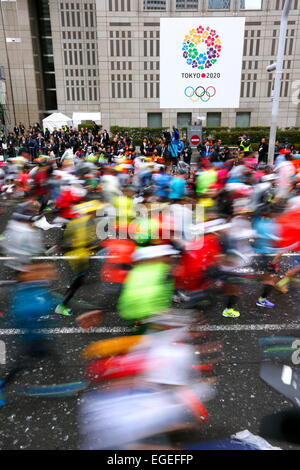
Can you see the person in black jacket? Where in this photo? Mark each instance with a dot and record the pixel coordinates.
(47, 134)
(11, 143)
(263, 151)
(187, 153)
(23, 144)
(216, 151)
(2, 142)
(105, 137)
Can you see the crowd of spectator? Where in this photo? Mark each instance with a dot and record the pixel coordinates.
(67, 142)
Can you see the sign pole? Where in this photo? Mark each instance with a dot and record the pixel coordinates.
(277, 85)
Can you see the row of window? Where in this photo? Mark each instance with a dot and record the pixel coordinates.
(71, 35)
(47, 89)
(120, 47)
(212, 4)
(80, 50)
(81, 72)
(125, 5)
(284, 87)
(80, 90)
(119, 5)
(73, 54)
(121, 65)
(76, 19)
(151, 65)
(121, 89)
(252, 43)
(289, 42)
(127, 65)
(77, 6)
(249, 85)
(214, 119)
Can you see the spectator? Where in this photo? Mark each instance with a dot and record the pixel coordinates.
(263, 151)
(245, 144)
(187, 153)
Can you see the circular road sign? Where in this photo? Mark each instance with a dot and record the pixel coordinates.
(195, 140)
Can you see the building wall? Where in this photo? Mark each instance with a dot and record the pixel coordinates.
(106, 58)
(260, 48)
(75, 47)
(16, 55)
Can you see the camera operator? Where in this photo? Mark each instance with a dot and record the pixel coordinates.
(245, 144)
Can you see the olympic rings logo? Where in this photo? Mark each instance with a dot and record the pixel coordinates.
(200, 93)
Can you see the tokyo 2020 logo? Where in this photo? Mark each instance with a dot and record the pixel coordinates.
(207, 57)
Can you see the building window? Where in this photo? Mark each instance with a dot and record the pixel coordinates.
(121, 86)
(218, 4)
(151, 86)
(243, 119)
(155, 4)
(120, 45)
(44, 9)
(252, 42)
(250, 4)
(119, 5)
(48, 63)
(47, 45)
(154, 120)
(45, 26)
(213, 119)
(279, 4)
(184, 119)
(289, 42)
(151, 43)
(151, 65)
(186, 4)
(248, 85)
(50, 100)
(49, 80)
(120, 65)
(285, 81)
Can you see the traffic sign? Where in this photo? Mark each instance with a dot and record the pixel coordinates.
(195, 140)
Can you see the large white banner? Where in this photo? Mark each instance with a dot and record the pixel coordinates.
(201, 62)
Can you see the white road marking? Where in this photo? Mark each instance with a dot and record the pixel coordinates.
(66, 331)
(106, 330)
(2, 352)
(4, 258)
(262, 327)
(60, 257)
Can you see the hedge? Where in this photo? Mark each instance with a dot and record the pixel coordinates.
(137, 134)
(229, 136)
(88, 125)
(232, 137)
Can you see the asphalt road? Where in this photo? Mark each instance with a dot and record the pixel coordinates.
(242, 401)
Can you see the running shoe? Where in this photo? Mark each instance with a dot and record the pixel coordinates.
(264, 303)
(63, 310)
(231, 313)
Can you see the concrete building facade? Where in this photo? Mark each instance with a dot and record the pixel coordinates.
(103, 56)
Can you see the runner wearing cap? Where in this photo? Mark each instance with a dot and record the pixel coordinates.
(80, 236)
(148, 288)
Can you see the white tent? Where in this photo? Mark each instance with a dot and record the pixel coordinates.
(56, 120)
(78, 118)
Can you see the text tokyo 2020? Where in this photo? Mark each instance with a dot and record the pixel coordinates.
(201, 75)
